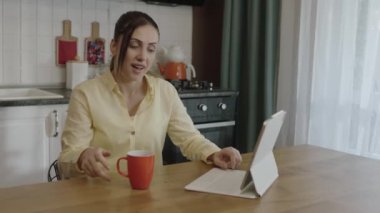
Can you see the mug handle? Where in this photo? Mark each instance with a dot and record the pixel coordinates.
(118, 166)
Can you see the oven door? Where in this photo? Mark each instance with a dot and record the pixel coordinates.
(220, 133)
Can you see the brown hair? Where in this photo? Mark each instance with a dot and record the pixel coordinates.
(125, 27)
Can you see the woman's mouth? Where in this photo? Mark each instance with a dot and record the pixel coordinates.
(138, 67)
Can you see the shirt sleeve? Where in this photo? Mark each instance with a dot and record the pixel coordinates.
(77, 134)
(183, 133)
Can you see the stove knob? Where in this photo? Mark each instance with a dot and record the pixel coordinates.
(202, 107)
(222, 106)
(211, 86)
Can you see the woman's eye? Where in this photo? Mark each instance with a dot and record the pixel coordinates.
(134, 46)
(151, 49)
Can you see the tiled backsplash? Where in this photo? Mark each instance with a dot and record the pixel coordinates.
(28, 29)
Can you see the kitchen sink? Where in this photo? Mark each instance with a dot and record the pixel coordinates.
(26, 94)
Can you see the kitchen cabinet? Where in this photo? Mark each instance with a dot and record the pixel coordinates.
(54, 128)
(29, 142)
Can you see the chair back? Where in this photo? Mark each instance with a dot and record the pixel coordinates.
(53, 173)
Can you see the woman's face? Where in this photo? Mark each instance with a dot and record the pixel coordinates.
(140, 54)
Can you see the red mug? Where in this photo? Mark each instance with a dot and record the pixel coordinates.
(140, 165)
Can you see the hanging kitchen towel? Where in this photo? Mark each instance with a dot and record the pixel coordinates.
(66, 45)
(94, 46)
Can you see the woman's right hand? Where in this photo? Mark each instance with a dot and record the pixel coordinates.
(93, 162)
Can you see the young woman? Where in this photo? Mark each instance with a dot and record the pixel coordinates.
(125, 109)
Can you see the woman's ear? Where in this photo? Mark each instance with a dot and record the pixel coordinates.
(113, 47)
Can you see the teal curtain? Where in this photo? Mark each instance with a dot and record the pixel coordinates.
(250, 63)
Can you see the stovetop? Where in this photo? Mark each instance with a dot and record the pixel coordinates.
(193, 86)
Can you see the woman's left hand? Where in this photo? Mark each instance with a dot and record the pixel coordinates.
(227, 158)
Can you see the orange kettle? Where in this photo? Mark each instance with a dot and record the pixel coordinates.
(177, 71)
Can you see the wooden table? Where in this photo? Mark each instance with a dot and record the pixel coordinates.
(311, 179)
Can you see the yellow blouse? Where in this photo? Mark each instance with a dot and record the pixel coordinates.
(98, 116)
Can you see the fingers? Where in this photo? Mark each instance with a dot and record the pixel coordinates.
(232, 163)
(100, 157)
(237, 158)
(88, 170)
(221, 163)
(94, 164)
(101, 171)
(228, 158)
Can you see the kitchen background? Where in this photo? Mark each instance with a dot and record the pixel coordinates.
(28, 29)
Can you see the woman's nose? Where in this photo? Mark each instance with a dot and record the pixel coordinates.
(142, 55)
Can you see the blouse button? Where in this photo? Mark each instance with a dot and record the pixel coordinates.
(133, 132)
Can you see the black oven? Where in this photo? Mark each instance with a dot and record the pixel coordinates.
(213, 113)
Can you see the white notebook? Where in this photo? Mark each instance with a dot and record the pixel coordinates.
(253, 182)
